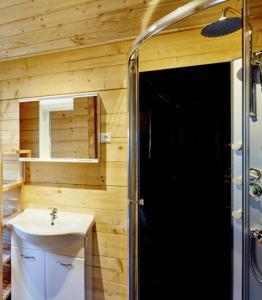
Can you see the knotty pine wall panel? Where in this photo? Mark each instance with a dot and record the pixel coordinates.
(99, 189)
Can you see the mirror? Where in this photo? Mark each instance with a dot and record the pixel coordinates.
(60, 128)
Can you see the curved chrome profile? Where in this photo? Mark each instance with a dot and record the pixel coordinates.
(133, 97)
(179, 14)
(133, 176)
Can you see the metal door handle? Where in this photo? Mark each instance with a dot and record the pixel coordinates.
(139, 202)
(69, 266)
(27, 257)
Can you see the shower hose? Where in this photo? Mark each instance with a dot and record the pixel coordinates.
(252, 261)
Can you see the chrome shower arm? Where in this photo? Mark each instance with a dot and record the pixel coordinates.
(232, 10)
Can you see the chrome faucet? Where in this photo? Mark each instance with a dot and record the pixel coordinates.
(53, 215)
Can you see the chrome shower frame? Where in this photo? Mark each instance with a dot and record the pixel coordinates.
(246, 109)
(181, 13)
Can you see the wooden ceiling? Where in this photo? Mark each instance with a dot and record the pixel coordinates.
(33, 27)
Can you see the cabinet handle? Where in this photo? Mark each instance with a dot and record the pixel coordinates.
(28, 257)
(69, 266)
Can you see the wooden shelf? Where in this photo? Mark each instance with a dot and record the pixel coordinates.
(12, 185)
(6, 258)
(16, 152)
(6, 253)
(6, 289)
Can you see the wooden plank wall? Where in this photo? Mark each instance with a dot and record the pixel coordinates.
(37, 27)
(99, 189)
(85, 127)
(29, 127)
(256, 20)
(62, 134)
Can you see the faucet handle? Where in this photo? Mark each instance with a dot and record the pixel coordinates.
(53, 210)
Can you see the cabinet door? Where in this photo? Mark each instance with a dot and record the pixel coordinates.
(28, 274)
(65, 277)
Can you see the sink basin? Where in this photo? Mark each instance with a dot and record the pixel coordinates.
(34, 226)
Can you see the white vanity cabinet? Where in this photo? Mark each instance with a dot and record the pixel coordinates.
(64, 277)
(28, 274)
(60, 274)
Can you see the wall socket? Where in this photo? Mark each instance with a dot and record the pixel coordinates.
(105, 138)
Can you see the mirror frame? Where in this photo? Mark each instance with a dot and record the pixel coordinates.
(69, 160)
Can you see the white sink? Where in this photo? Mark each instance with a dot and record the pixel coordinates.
(34, 226)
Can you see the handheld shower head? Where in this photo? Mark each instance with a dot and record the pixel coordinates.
(225, 25)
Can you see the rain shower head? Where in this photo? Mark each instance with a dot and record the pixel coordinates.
(225, 25)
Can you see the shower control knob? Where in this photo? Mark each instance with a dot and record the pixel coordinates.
(254, 174)
(237, 180)
(236, 146)
(237, 214)
(255, 190)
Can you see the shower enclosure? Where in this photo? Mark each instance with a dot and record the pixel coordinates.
(248, 179)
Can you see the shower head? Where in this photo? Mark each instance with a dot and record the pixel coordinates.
(225, 25)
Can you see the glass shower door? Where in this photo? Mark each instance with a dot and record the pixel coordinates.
(135, 201)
